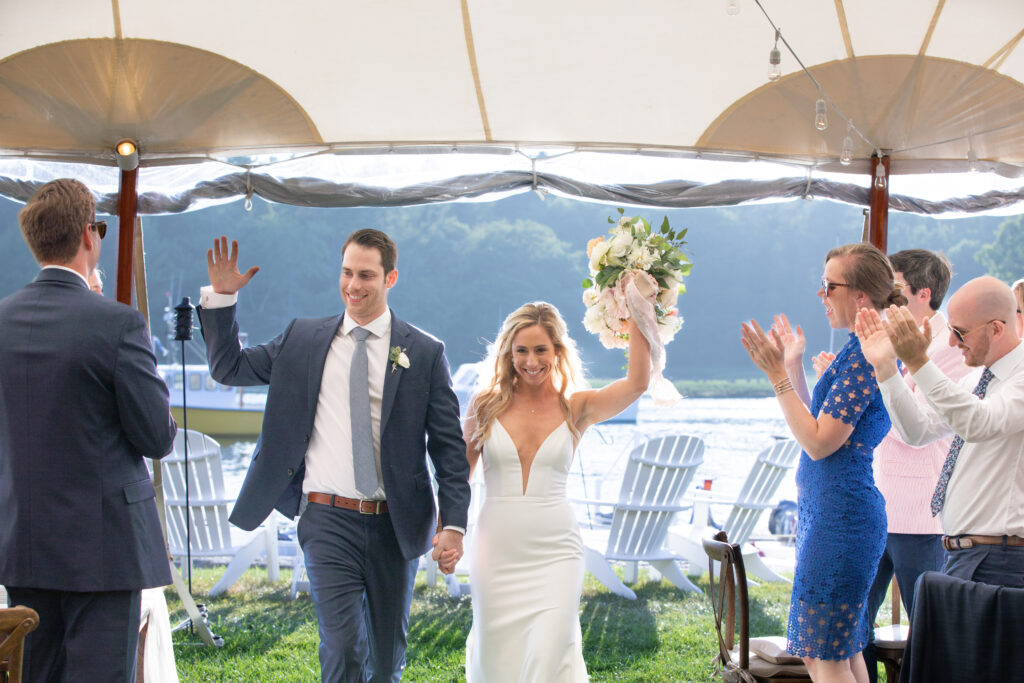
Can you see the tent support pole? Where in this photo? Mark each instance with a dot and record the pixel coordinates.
(878, 224)
(127, 209)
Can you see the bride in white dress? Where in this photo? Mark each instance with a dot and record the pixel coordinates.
(527, 565)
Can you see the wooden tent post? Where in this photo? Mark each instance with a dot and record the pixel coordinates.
(127, 209)
(878, 225)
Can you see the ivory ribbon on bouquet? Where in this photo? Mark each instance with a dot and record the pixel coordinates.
(662, 391)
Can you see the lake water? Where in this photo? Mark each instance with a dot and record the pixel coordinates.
(734, 430)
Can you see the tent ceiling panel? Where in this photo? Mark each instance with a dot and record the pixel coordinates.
(85, 95)
(366, 72)
(227, 79)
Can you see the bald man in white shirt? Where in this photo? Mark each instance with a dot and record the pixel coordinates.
(980, 490)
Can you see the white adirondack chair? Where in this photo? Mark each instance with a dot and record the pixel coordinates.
(770, 468)
(208, 512)
(657, 476)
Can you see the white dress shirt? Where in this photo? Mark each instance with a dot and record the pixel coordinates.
(906, 474)
(986, 491)
(329, 467)
(70, 270)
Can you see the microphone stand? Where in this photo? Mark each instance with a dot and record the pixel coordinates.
(183, 333)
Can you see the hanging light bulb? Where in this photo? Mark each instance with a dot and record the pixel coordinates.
(880, 176)
(775, 58)
(732, 7)
(972, 158)
(820, 115)
(846, 156)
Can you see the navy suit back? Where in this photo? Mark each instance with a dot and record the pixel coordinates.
(80, 404)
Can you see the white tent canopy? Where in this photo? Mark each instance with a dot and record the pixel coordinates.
(349, 102)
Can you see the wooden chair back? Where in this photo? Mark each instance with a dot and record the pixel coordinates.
(891, 641)
(658, 475)
(15, 624)
(731, 610)
(758, 492)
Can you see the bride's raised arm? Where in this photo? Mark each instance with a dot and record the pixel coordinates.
(596, 405)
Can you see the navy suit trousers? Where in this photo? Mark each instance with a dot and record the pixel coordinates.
(908, 556)
(362, 588)
(82, 636)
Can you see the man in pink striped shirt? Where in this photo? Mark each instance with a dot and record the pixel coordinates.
(905, 474)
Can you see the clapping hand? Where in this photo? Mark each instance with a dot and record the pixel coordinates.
(822, 361)
(768, 353)
(223, 267)
(875, 343)
(910, 341)
(793, 343)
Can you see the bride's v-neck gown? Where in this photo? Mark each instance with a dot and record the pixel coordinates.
(526, 571)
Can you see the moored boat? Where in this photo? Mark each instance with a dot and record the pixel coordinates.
(213, 408)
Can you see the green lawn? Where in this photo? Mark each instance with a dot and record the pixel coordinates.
(665, 635)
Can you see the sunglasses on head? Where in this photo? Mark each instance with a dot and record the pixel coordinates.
(100, 227)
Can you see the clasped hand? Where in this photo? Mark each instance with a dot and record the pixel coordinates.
(447, 550)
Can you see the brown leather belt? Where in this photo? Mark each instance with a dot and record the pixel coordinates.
(366, 507)
(968, 541)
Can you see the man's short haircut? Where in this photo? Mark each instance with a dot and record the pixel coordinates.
(375, 239)
(54, 218)
(922, 268)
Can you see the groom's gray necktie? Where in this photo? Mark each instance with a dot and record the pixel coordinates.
(364, 466)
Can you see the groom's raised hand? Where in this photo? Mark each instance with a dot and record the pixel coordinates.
(222, 266)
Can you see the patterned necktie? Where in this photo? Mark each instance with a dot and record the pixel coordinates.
(363, 464)
(939, 497)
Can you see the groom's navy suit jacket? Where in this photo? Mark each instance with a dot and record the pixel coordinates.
(419, 415)
(80, 404)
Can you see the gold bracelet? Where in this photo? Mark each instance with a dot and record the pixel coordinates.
(782, 386)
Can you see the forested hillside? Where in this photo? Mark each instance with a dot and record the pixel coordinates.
(464, 266)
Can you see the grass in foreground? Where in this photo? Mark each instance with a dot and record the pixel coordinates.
(665, 635)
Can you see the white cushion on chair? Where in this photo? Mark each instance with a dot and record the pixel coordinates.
(773, 649)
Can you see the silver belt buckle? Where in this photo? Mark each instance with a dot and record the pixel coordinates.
(374, 503)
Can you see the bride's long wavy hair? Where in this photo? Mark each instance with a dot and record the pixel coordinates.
(566, 375)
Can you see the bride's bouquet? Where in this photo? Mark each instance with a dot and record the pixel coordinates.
(658, 265)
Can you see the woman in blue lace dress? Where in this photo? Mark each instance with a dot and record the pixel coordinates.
(841, 527)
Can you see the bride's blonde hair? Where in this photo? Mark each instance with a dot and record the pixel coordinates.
(566, 375)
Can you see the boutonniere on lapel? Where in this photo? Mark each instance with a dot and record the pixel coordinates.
(398, 358)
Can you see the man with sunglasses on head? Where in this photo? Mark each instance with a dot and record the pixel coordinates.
(981, 486)
(80, 405)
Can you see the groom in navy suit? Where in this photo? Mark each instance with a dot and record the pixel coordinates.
(356, 403)
(80, 404)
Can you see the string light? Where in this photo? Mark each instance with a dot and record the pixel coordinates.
(824, 102)
(820, 114)
(846, 156)
(972, 156)
(775, 58)
(880, 176)
(732, 7)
